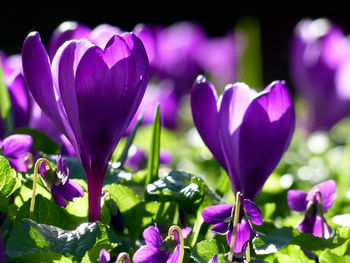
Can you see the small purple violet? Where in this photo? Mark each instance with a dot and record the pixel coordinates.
(222, 216)
(61, 187)
(158, 250)
(15, 148)
(314, 203)
(104, 257)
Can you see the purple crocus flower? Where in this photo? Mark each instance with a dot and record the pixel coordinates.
(61, 187)
(66, 31)
(104, 257)
(218, 57)
(91, 94)
(156, 249)
(164, 95)
(221, 216)
(173, 52)
(311, 204)
(246, 131)
(19, 95)
(15, 148)
(71, 30)
(318, 54)
(137, 157)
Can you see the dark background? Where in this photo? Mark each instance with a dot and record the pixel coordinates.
(276, 24)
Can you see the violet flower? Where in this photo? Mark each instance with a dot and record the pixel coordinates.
(91, 94)
(156, 249)
(15, 149)
(61, 187)
(319, 56)
(246, 131)
(221, 216)
(314, 203)
(104, 256)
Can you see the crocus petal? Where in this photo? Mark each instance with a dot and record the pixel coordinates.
(20, 100)
(108, 81)
(234, 102)
(297, 200)
(328, 191)
(69, 190)
(217, 213)
(152, 236)
(313, 225)
(269, 116)
(174, 257)
(17, 145)
(253, 212)
(37, 73)
(104, 257)
(64, 66)
(220, 228)
(242, 237)
(205, 115)
(101, 34)
(19, 165)
(68, 30)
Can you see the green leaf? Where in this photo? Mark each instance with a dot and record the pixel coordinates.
(30, 237)
(48, 212)
(131, 207)
(5, 104)
(268, 210)
(309, 241)
(41, 141)
(181, 187)
(206, 249)
(153, 159)
(291, 253)
(328, 256)
(272, 242)
(10, 180)
(43, 256)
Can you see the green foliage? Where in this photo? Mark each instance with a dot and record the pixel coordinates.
(206, 249)
(30, 237)
(10, 180)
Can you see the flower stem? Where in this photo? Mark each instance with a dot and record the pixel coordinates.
(123, 257)
(321, 204)
(247, 253)
(36, 168)
(94, 182)
(176, 214)
(179, 232)
(235, 222)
